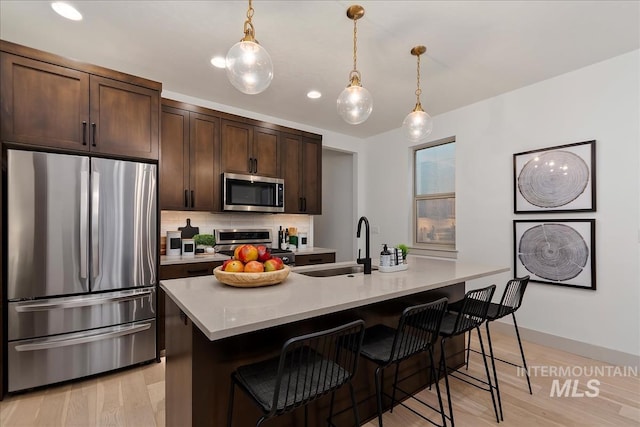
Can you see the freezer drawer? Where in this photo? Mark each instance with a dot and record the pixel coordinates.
(39, 318)
(41, 361)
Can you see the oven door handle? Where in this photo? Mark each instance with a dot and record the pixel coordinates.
(80, 302)
(57, 343)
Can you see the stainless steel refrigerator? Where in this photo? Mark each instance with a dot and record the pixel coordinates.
(81, 266)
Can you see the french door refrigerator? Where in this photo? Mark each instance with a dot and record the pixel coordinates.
(81, 266)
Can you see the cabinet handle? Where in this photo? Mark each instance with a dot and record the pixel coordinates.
(300, 204)
(250, 164)
(255, 165)
(84, 133)
(186, 198)
(192, 198)
(93, 126)
(304, 204)
(316, 260)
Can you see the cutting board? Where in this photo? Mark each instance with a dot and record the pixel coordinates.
(188, 231)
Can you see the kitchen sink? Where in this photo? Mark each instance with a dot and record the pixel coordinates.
(336, 271)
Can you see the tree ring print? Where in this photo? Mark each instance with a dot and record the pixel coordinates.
(553, 251)
(553, 179)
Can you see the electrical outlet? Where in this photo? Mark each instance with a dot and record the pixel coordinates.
(375, 229)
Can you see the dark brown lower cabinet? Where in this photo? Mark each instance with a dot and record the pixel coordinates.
(313, 259)
(178, 271)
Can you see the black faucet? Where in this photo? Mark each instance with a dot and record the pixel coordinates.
(367, 259)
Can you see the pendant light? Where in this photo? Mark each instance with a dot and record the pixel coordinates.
(355, 102)
(418, 124)
(249, 66)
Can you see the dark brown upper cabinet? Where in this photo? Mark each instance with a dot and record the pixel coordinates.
(189, 177)
(55, 102)
(302, 173)
(250, 149)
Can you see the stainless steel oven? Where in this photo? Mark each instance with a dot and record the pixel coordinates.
(252, 193)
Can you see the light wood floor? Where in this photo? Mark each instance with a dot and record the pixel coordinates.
(135, 397)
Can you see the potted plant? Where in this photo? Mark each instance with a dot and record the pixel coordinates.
(204, 242)
(405, 250)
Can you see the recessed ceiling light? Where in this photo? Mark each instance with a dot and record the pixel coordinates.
(219, 62)
(66, 10)
(314, 94)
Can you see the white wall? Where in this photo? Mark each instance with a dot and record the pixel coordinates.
(598, 102)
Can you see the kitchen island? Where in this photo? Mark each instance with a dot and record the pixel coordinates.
(213, 328)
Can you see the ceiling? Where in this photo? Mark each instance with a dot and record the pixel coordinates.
(475, 49)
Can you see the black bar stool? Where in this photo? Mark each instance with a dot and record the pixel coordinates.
(417, 331)
(469, 314)
(509, 303)
(309, 366)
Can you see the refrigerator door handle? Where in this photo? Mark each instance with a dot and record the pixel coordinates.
(95, 226)
(50, 343)
(80, 302)
(84, 222)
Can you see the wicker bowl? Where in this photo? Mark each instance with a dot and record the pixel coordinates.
(251, 280)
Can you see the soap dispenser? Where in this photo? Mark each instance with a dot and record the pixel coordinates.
(385, 257)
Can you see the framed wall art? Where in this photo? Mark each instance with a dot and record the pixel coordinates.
(556, 179)
(556, 252)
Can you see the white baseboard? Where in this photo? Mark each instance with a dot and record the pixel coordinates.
(603, 354)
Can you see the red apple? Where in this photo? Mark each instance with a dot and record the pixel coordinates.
(247, 253)
(254, 267)
(224, 264)
(263, 253)
(236, 252)
(234, 266)
(273, 264)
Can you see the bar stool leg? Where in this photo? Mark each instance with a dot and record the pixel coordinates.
(495, 373)
(379, 394)
(393, 391)
(468, 350)
(486, 369)
(432, 374)
(524, 362)
(443, 363)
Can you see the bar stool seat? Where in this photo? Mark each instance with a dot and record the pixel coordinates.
(309, 366)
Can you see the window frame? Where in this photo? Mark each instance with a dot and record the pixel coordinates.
(435, 249)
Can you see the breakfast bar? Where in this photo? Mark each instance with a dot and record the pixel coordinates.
(212, 328)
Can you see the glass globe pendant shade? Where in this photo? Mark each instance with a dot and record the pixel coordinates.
(249, 67)
(355, 104)
(417, 125)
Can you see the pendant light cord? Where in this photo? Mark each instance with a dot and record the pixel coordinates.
(354, 75)
(249, 30)
(418, 90)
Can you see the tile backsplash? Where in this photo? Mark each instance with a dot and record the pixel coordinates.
(207, 222)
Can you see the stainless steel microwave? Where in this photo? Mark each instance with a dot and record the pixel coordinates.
(252, 193)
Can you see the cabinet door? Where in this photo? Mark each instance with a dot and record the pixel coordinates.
(43, 104)
(124, 119)
(236, 147)
(311, 167)
(204, 179)
(174, 160)
(266, 153)
(291, 152)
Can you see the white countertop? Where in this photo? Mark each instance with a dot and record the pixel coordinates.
(221, 311)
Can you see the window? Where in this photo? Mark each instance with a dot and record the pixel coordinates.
(434, 197)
